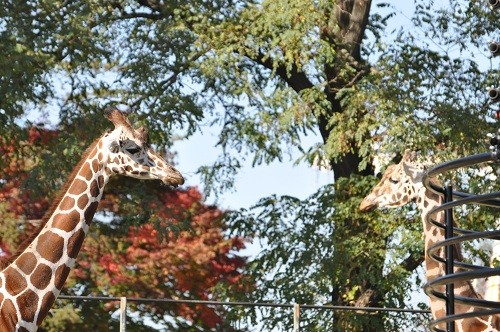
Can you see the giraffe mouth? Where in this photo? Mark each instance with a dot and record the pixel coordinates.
(173, 180)
(367, 206)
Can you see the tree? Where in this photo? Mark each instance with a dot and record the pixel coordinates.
(268, 72)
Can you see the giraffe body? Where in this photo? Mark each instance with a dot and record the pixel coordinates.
(32, 282)
(401, 184)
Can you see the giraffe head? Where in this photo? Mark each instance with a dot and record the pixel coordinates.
(399, 185)
(130, 154)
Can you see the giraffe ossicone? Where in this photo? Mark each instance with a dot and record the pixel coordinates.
(30, 284)
(402, 184)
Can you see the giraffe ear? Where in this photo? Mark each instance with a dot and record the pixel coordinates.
(413, 169)
(143, 134)
(409, 156)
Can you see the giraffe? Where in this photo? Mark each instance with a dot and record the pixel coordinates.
(32, 281)
(401, 184)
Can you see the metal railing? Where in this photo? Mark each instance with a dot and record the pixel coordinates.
(296, 308)
(456, 236)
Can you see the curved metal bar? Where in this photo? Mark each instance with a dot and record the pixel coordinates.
(467, 266)
(471, 301)
(480, 198)
(495, 202)
(433, 324)
(454, 164)
(431, 251)
(465, 276)
(436, 287)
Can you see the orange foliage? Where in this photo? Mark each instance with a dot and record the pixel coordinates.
(163, 262)
(15, 171)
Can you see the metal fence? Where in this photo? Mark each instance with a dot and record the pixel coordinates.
(295, 314)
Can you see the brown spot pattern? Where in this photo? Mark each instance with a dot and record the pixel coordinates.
(78, 187)
(474, 325)
(14, 281)
(75, 243)
(26, 262)
(95, 165)
(50, 246)
(27, 303)
(61, 275)
(94, 189)
(41, 276)
(82, 201)
(100, 181)
(89, 213)
(8, 318)
(86, 172)
(67, 203)
(47, 302)
(66, 222)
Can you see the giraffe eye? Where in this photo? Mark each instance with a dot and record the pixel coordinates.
(133, 150)
(391, 180)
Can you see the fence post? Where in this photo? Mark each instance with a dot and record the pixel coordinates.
(296, 315)
(450, 257)
(123, 313)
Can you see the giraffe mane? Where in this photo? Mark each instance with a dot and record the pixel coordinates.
(4, 262)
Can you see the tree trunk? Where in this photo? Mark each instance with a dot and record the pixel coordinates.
(345, 31)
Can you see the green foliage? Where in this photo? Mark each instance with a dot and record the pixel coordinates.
(434, 78)
(260, 72)
(9, 229)
(321, 251)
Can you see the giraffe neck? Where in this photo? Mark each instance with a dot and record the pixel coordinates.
(32, 282)
(433, 234)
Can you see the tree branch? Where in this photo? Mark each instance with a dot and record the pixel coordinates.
(412, 262)
(296, 79)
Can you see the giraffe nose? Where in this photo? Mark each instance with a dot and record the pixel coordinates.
(174, 178)
(367, 205)
(178, 181)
